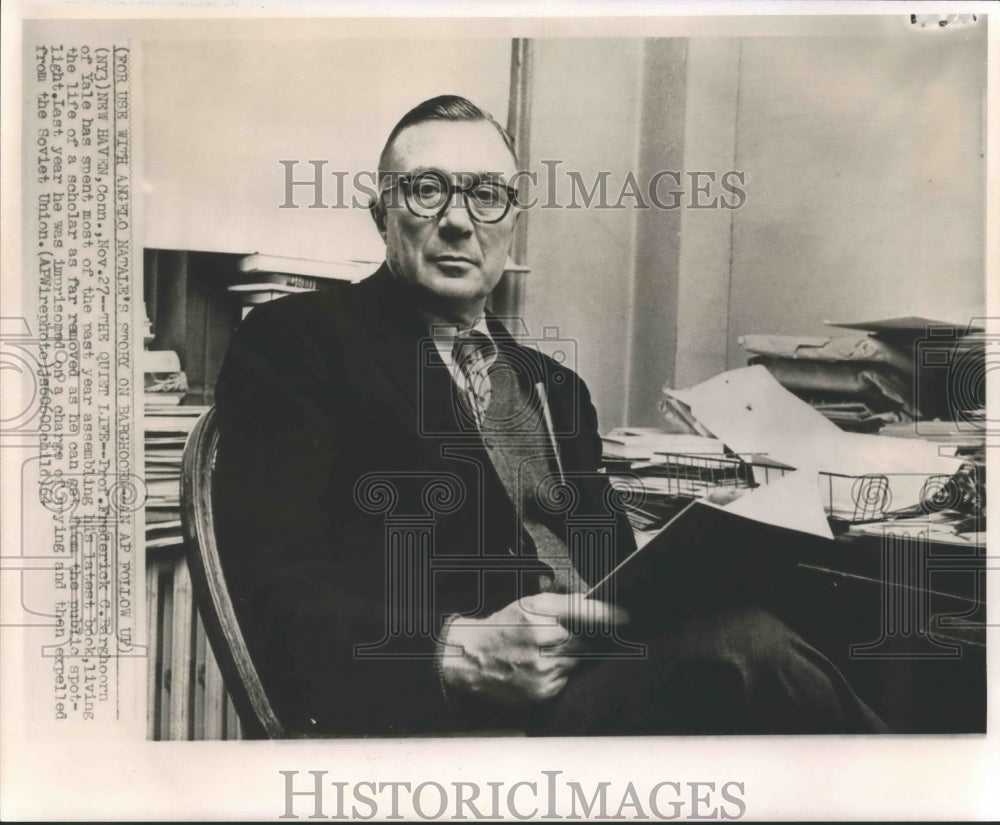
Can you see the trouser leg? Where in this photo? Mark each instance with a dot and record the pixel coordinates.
(735, 671)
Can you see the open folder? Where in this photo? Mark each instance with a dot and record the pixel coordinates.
(709, 555)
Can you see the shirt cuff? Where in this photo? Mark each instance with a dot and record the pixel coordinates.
(439, 653)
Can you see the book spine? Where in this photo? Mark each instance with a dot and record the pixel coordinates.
(282, 279)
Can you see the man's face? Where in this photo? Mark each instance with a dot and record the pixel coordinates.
(455, 259)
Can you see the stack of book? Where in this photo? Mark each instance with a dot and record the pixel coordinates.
(164, 382)
(264, 278)
(166, 431)
(645, 443)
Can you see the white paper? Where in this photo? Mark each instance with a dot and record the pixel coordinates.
(792, 501)
(863, 476)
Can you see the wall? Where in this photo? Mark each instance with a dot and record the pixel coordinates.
(585, 115)
(864, 156)
(865, 193)
(705, 261)
(219, 115)
(606, 273)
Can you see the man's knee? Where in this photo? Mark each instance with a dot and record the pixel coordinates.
(744, 635)
(740, 670)
(768, 675)
(760, 645)
(788, 685)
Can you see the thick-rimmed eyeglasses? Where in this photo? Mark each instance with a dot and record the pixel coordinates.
(429, 194)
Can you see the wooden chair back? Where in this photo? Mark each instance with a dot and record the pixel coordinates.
(210, 591)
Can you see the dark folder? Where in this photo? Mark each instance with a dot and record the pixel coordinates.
(709, 556)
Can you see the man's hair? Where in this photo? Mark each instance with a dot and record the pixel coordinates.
(444, 107)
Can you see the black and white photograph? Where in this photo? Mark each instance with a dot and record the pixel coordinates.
(551, 415)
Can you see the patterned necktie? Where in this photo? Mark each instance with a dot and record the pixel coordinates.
(473, 353)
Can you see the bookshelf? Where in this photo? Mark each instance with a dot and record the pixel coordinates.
(194, 302)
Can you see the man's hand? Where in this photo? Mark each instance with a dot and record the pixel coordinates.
(524, 652)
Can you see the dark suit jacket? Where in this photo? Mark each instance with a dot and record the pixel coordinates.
(356, 507)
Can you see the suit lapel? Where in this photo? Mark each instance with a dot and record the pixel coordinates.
(424, 392)
(392, 337)
(401, 347)
(422, 387)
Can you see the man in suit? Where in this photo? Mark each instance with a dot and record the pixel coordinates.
(408, 507)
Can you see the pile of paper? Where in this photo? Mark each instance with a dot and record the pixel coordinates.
(861, 477)
(891, 370)
(166, 432)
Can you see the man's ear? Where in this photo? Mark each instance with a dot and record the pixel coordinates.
(377, 210)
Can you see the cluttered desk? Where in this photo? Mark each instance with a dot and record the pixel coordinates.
(870, 459)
